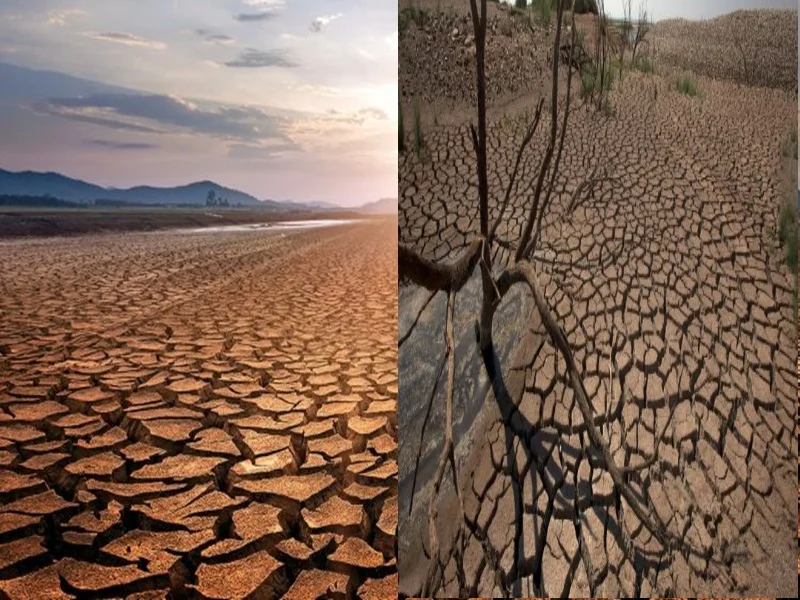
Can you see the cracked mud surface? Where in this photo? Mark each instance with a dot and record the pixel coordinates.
(672, 294)
(207, 415)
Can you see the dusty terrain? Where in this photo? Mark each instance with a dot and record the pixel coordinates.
(744, 46)
(673, 294)
(207, 415)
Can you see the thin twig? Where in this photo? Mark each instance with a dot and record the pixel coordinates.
(525, 141)
(526, 232)
(551, 185)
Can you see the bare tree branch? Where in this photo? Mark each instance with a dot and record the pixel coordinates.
(479, 26)
(587, 184)
(435, 276)
(642, 29)
(523, 272)
(528, 251)
(526, 233)
(525, 141)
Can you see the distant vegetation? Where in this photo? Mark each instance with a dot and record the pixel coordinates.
(39, 201)
(686, 85)
(212, 200)
(642, 64)
(790, 148)
(594, 80)
(411, 14)
(23, 201)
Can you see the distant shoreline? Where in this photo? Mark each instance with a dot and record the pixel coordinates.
(53, 222)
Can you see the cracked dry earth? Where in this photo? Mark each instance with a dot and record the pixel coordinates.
(202, 416)
(673, 296)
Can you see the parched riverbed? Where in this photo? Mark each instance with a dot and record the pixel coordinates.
(210, 414)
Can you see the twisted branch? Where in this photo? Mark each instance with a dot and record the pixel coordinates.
(415, 268)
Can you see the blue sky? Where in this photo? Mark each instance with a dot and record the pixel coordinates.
(286, 99)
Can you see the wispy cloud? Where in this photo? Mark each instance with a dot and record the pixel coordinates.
(255, 17)
(254, 59)
(318, 24)
(60, 17)
(214, 38)
(89, 117)
(373, 113)
(154, 113)
(267, 10)
(317, 90)
(110, 145)
(127, 39)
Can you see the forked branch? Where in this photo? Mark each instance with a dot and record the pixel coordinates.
(532, 246)
(548, 156)
(522, 147)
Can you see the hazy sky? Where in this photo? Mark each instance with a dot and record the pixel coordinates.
(284, 99)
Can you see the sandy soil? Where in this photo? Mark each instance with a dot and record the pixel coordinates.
(209, 415)
(671, 289)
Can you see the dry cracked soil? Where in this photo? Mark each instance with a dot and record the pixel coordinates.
(205, 416)
(673, 294)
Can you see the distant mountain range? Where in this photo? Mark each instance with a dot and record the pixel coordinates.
(61, 187)
(384, 206)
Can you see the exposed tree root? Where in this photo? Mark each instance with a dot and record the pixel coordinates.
(414, 267)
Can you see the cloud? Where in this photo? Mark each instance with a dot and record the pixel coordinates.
(122, 145)
(318, 90)
(128, 39)
(213, 38)
(255, 152)
(373, 113)
(89, 117)
(60, 17)
(318, 24)
(255, 17)
(155, 113)
(253, 59)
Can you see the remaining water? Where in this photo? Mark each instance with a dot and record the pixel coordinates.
(276, 226)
